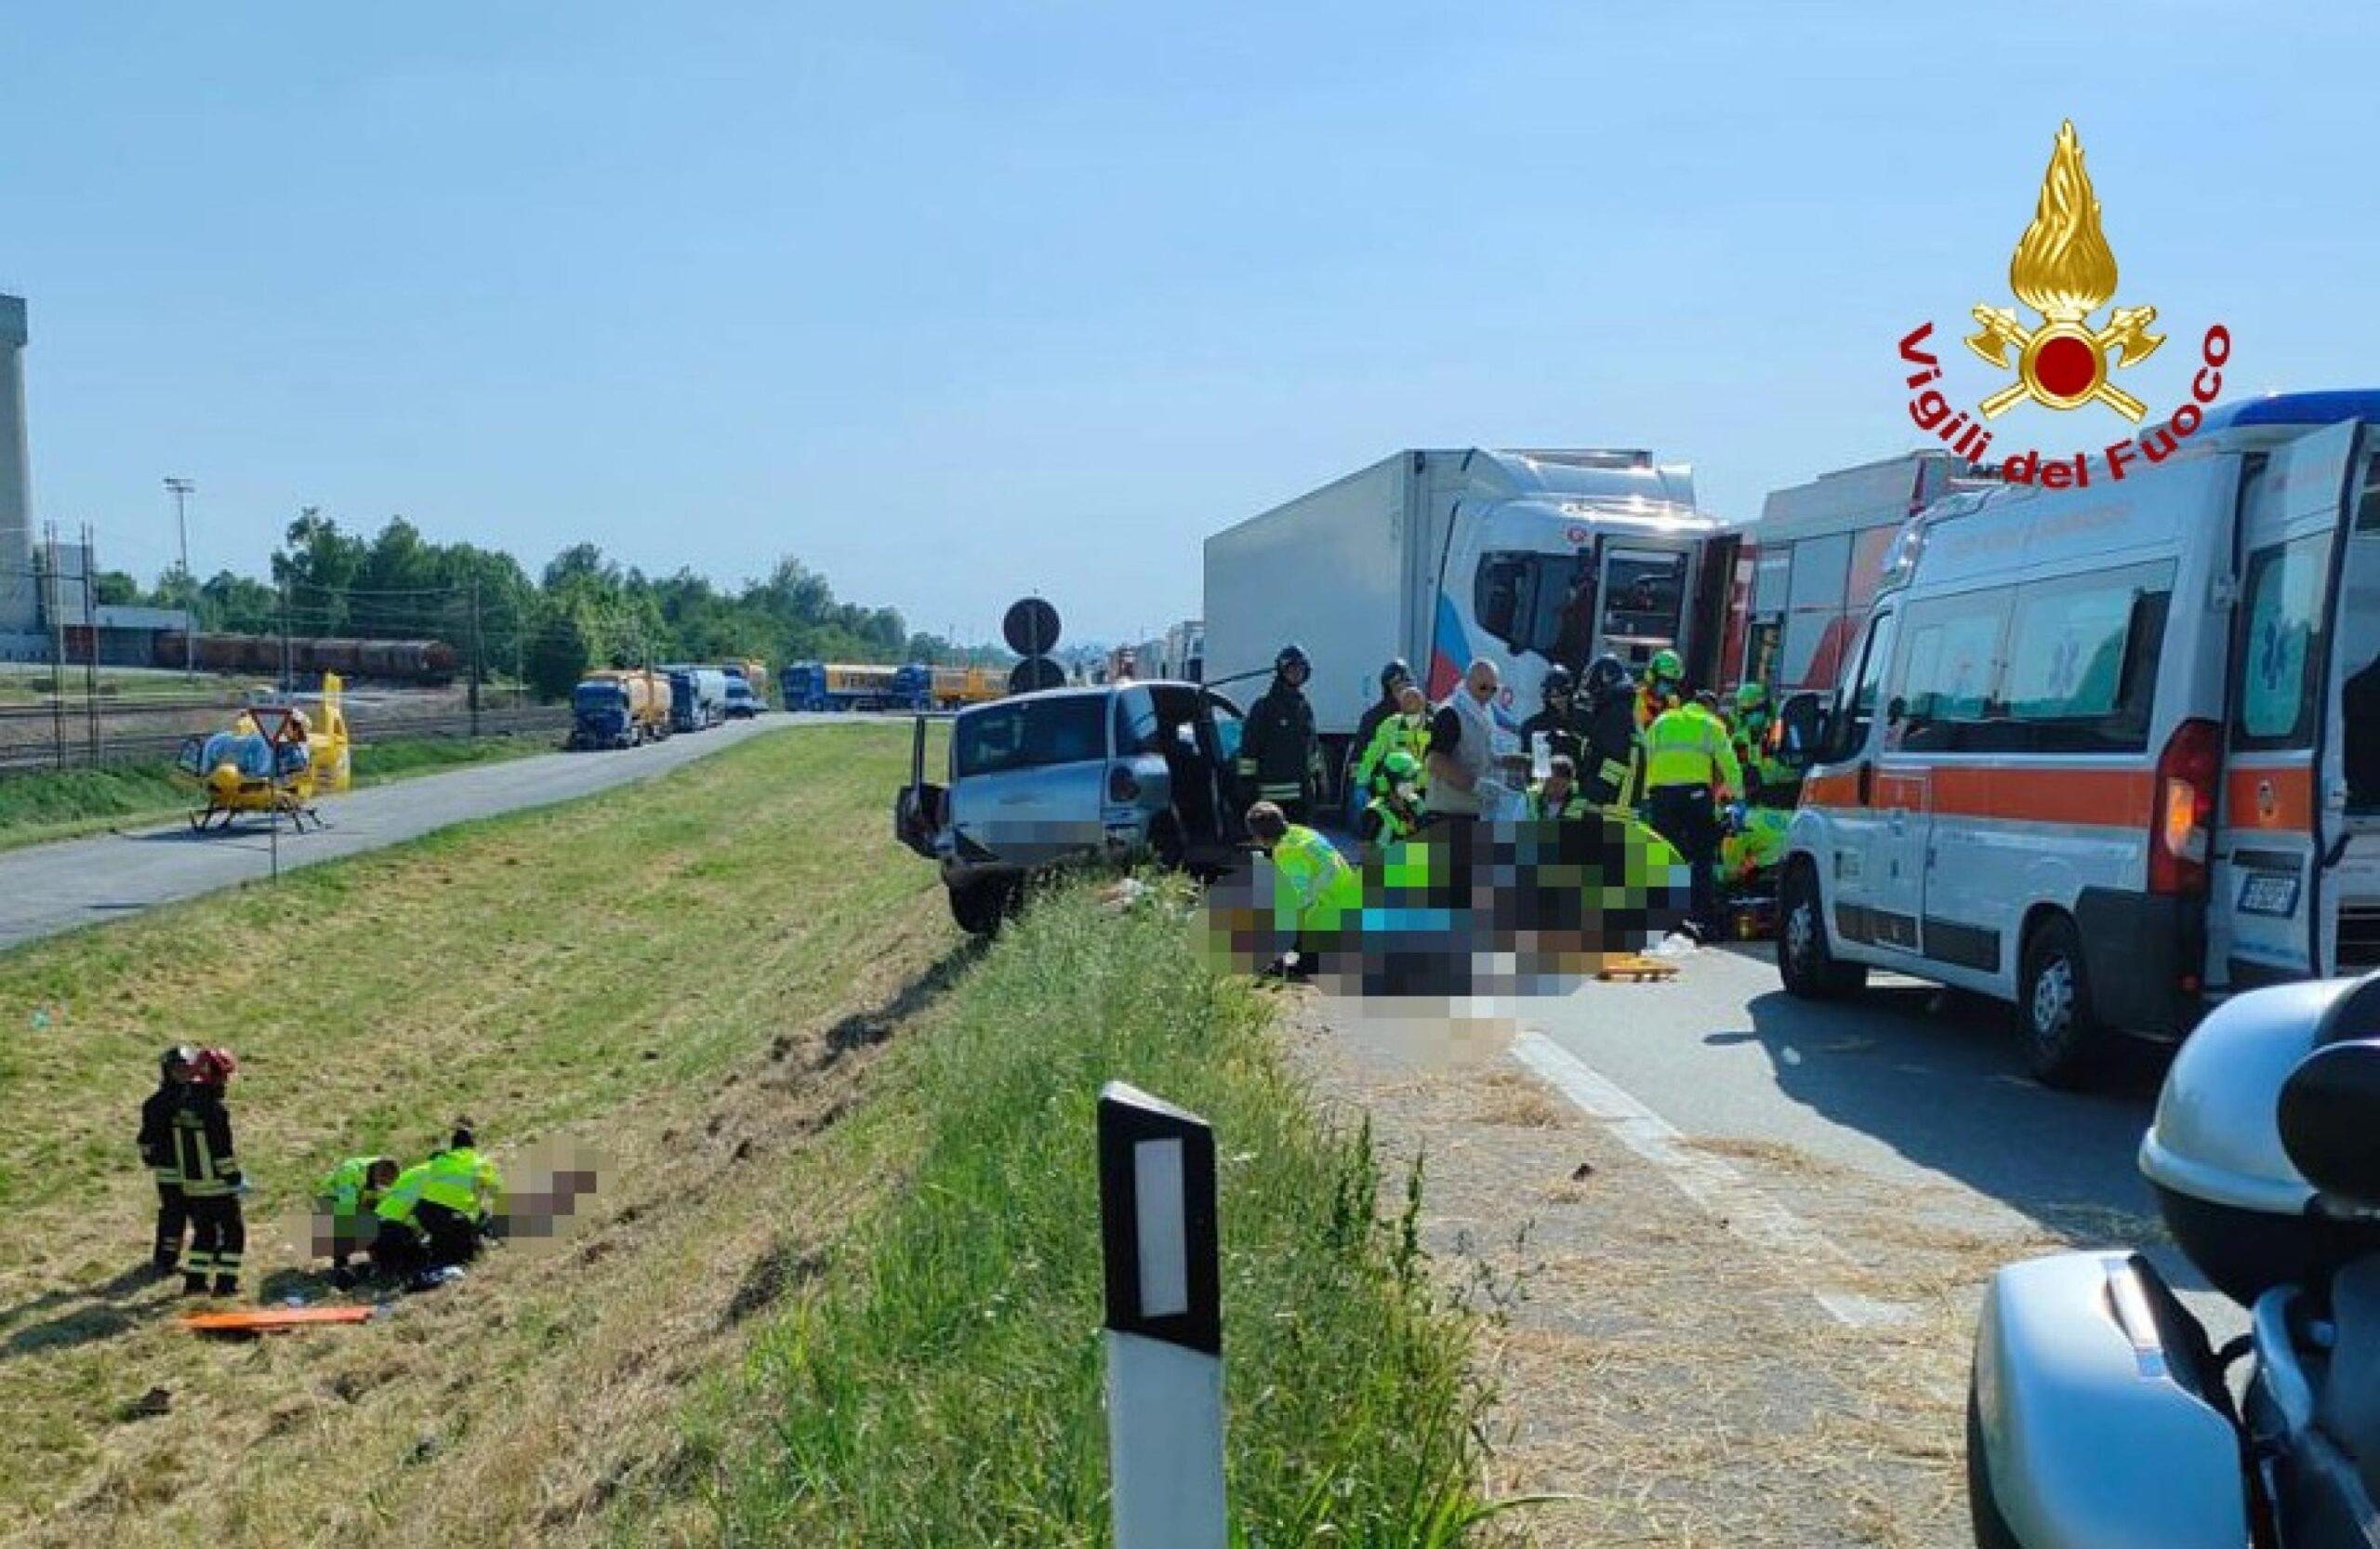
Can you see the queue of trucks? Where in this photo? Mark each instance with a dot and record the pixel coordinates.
(629, 706)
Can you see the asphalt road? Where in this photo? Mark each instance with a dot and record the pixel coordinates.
(1904, 1084)
(47, 889)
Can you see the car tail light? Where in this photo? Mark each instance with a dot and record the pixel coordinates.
(1122, 784)
(2182, 827)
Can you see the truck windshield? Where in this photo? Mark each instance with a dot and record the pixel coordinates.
(1029, 733)
(599, 696)
(1539, 602)
(1645, 594)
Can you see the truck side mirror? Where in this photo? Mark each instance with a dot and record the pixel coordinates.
(1802, 729)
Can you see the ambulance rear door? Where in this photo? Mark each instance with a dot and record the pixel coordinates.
(2351, 764)
(2270, 846)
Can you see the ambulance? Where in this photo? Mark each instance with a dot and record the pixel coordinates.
(2110, 752)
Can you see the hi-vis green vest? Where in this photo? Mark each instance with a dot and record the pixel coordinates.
(1573, 804)
(462, 1181)
(348, 1186)
(1315, 885)
(1689, 747)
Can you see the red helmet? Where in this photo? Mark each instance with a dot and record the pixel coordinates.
(215, 1067)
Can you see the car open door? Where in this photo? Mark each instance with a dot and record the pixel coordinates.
(2272, 841)
(918, 812)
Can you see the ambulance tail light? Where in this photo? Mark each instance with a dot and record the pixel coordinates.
(2183, 827)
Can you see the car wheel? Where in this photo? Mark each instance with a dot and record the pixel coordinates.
(1164, 844)
(1805, 959)
(980, 906)
(2065, 1045)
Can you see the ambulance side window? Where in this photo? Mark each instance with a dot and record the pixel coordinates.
(2279, 655)
(1950, 661)
(1859, 706)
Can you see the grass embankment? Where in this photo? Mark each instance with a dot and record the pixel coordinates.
(50, 805)
(940, 1383)
(840, 1284)
(690, 985)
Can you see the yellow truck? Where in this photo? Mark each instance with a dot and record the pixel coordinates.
(620, 707)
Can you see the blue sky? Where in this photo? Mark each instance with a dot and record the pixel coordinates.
(952, 302)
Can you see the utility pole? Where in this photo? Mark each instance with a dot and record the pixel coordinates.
(284, 634)
(478, 664)
(181, 490)
(91, 659)
(57, 645)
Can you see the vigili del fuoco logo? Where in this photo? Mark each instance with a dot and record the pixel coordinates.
(2064, 272)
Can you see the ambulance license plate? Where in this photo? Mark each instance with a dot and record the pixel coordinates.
(2273, 893)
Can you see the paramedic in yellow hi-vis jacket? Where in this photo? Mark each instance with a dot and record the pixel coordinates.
(1689, 768)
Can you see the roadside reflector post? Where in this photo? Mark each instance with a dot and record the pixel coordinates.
(1163, 1323)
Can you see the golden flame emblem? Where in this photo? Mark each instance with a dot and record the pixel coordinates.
(2064, 270)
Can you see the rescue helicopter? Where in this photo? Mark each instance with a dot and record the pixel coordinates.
(274, 758)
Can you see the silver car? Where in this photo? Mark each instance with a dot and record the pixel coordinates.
(1038, 780)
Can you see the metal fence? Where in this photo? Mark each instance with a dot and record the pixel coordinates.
(81, 732)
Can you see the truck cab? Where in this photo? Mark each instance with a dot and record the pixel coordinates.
(601, 716)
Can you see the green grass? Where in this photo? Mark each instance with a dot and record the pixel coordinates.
(615, 969)
(941, 1384)
(49, 804)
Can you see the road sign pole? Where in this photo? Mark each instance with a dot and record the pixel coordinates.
(1163, 1323)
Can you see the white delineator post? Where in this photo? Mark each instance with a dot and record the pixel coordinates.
(1164, 1324)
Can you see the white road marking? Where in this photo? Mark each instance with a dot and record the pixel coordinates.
(1734, 1200)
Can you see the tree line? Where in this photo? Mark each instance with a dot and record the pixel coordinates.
(583, 611)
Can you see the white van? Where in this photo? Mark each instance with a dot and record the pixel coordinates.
(2108, 753)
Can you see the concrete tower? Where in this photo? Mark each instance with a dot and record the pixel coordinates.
(18, 614)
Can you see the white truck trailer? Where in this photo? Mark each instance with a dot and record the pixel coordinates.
(1530, 558)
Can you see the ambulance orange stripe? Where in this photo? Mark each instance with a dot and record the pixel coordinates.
(2275, 801)
(2114, 797)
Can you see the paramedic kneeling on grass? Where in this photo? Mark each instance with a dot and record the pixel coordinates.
(1314, 888)
(434, 1214)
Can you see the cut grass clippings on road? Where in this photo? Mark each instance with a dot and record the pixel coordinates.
(60, 803)
(941, 1383)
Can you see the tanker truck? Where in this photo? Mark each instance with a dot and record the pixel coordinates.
(620, 707)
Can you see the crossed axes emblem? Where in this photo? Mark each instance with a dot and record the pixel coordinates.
(2126, 334)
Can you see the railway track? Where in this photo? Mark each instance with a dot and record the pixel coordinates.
(37, 737)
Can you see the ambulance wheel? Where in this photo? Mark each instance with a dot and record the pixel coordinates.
(1991, 1530)
(2064, 1044)
(1805, 960)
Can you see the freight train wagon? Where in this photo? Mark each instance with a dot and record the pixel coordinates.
(408, 661)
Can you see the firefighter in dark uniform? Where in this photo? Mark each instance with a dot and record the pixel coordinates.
(1280, 758)
(157, 1154)
(199, 1133)
(1609, 756)
(1555, 723)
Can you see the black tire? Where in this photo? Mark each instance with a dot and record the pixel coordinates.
(1166, 844)
(979, 906)
(2065, 1045)
(1991, 1530)
(1805, 959)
